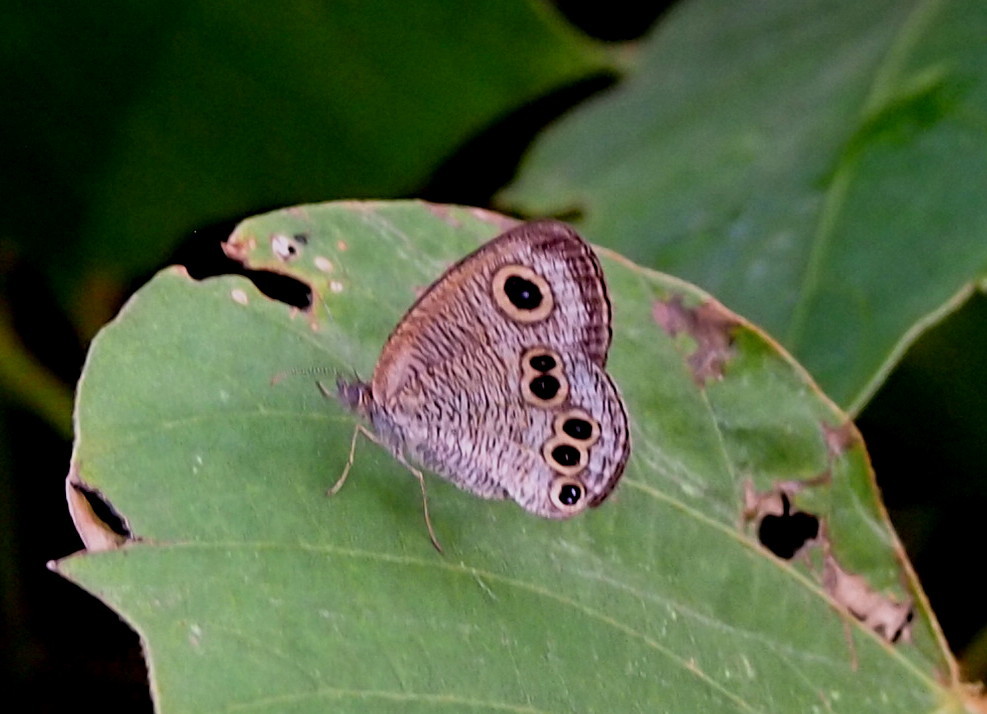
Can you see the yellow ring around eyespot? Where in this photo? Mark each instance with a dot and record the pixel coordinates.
(576, 413)
(556, 487)
(528, 373)
(500, 278)
(564, 440)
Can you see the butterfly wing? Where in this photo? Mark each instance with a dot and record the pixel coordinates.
(495, 377)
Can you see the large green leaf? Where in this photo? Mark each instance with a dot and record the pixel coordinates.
(819, 166)
(253, 591)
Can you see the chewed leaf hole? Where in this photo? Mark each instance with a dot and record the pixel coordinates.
(781, 527)
(786, 534)
(280, 287)
(203, 257)
(102, 509)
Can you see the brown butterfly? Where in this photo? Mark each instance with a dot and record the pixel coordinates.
(495, 378)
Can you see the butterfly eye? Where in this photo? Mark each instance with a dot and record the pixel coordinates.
(568, 495)
(522, 294)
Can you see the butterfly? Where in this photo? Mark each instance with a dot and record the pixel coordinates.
(495, 378)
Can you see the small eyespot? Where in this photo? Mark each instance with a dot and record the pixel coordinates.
(522, 294)
(542, 363)
(566, 455)
(568, 495)
(578, 428)
(545, 387)
(543, 380)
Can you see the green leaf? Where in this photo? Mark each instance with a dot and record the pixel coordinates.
(819, 166)
(253, 591)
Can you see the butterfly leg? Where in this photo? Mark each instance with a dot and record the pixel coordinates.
(360, 428)
(421, 482)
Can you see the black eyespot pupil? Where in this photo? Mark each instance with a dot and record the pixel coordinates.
(545, 387)
(542, 363)
(578, 428)
(523, 294)
(570, 494)
(566, 455)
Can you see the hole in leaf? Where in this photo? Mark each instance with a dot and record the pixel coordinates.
(103, 510)
(202, 255)
(785, 534)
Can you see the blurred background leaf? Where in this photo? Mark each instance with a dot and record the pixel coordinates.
(819, 166)
(138, 133)
(150, 119)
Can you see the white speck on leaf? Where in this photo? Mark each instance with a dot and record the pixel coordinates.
(239, 296)
(282, 246)
(323, 264)
(195, 635)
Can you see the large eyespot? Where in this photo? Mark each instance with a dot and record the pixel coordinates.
(564, 456)
(522, 294)
(543, 381)
(568, 494)
(578, 425)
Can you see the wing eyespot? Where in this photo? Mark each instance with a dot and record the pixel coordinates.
(568, 495)
(577, 425)
(543, 380)
(564, 455)
(522, 294)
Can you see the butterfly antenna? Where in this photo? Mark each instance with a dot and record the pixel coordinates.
(301, 371)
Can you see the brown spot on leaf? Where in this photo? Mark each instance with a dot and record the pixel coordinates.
(710, 324)
(787, 532)
(840, 439)
(99, 525)
(443, 212)
(238, 247)
(887, 617)
(502, 222)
